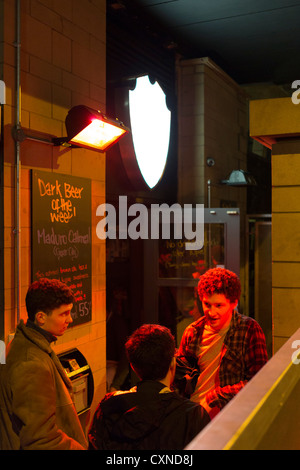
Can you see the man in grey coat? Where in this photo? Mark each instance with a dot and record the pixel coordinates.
(36, 407)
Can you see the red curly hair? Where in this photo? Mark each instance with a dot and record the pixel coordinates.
(220, 281)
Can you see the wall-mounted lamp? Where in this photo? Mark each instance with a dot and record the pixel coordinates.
(237, 178)
(91, 129)
(85, 127)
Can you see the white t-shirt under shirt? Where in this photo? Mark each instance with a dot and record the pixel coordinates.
(208, 361)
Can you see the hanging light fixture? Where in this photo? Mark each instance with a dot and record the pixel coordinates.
(239, 178)
(91, 129)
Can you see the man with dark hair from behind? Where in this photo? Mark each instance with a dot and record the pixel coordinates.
(149, 416)
(36, 407)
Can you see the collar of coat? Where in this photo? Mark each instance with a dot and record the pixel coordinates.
(40, 341)
(34, 336)
(49, 336)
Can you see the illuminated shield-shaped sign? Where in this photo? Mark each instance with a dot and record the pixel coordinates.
(150, 127)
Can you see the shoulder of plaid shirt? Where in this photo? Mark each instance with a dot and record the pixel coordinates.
(244, 353)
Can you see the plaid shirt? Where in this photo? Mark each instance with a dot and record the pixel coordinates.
(243, 353)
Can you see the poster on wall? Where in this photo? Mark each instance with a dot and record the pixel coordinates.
(61, 235)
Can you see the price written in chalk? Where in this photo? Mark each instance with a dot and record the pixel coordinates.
(62, 199)
(81, 309)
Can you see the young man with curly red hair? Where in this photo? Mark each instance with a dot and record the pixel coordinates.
(221, 351)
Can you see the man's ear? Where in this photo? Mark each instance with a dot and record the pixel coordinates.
(40, 318)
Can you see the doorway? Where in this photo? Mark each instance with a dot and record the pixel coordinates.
(171, 273)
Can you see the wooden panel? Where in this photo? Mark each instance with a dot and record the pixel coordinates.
(286, 169)
(286, 275)
(286, 199)
(285, 311)
(274, 117)
(286, 237)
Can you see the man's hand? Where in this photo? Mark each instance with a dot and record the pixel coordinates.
(211, 411)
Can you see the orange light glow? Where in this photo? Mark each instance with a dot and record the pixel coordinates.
(98, 134)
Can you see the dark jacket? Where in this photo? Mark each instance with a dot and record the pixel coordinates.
(36, 408)
(147, 417)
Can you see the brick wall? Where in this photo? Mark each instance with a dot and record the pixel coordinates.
(212, 112)
(276, 123)
(63, 61)
(285, 240)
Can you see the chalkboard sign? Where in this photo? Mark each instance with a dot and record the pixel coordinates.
(61, 235)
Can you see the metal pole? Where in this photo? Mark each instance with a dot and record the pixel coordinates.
(17, 165)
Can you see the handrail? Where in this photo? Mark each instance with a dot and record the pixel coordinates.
(265, 413)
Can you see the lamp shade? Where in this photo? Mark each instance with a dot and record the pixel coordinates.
(239, 178)
(91, 129)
